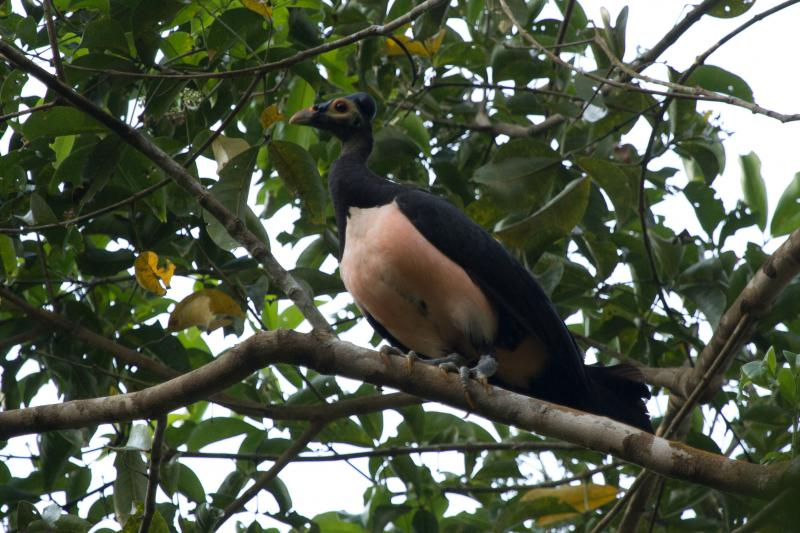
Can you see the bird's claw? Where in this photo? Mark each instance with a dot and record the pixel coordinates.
(448, 367)
(464, 373)
(411, 359)
(386, 352)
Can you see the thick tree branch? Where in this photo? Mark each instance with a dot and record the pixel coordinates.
(697, 380)
(235, 226)
(120, 352)
(328, 355)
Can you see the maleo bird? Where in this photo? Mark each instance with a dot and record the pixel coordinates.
(429, 279)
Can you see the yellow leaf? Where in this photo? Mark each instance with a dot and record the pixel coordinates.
(427, 48)
(208, 309)
(582, 498)
(262, 7)
(556, 517)
(149, 275)
(270, 116)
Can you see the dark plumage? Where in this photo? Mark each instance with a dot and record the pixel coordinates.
(429, 279)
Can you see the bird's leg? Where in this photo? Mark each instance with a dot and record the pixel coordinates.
(482, 371)
(486, 367)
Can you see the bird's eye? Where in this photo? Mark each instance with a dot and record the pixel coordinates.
(341, 107)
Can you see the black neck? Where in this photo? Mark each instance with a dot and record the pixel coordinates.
(352, 184)
(358, 147)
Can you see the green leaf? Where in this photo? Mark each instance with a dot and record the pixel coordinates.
(731, 8)
(787, 385)
(771, 360)
(231, 191)
(786, 218)
(711, 300)
(131, 483)
(703, 159)
(720, 80)
(621, 183)
(299, 173)
(301, 96)
(58, 121)
(216, 429)
(105, 33)
(56, 449)
(552, 222)
(8, 257)
(414, 127)
(518, 179)
(755, 192)
(753, 370)
(393, 149)
(190, 485)
(96, 262)
(709, 209)
(668, 252)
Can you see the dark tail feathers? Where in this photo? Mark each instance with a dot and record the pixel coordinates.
(619, 392)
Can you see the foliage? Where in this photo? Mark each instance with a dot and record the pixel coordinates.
(73, 218)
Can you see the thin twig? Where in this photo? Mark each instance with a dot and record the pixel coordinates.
(679, 90)
(34, 109)
(52, 36)
(265, 477)
(393, 451)
(543, 485)
(562, 29)
(374, 30)
(152, 479)
(672, 36)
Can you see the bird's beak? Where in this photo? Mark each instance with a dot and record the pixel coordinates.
(304, 117)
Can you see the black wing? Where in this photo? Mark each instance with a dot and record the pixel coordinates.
(505, 281)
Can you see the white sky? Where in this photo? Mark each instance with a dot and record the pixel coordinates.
(763, 56)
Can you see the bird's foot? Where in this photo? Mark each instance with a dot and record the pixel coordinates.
(481, 372)
(386, 352)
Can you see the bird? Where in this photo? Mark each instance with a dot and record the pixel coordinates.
(433, 282)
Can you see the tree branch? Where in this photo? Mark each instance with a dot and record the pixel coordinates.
(152, 479)
(393, 451)
(680, 91)
(328, 355)
(671, 37)
(265, 477)
(543, 485)
(235, 226)
(120, 352)
(371, 31)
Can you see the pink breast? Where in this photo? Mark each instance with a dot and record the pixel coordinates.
(424, 299)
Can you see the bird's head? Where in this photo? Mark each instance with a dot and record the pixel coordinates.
(344, 117)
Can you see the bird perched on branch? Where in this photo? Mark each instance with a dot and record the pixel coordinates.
(429, 279)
